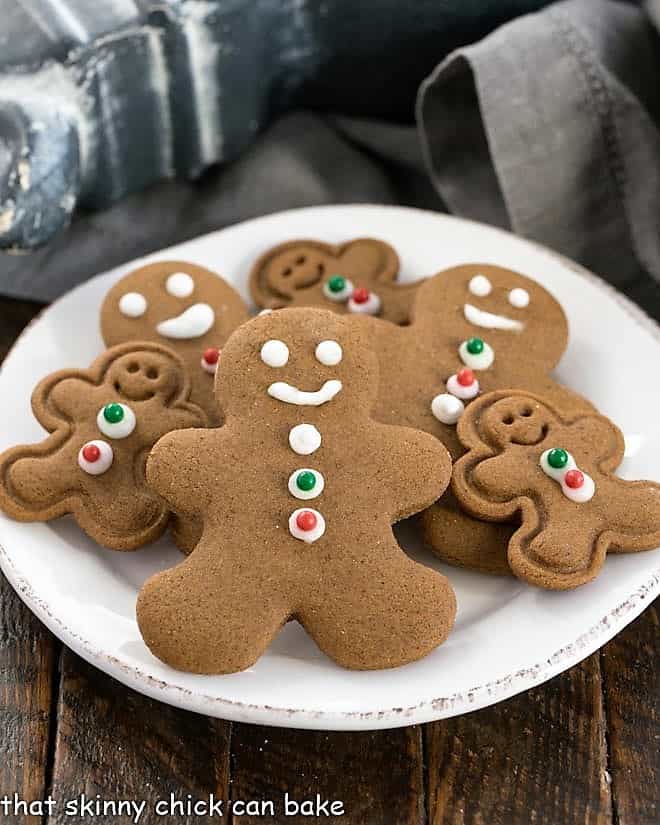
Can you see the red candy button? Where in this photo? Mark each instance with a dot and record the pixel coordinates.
(211, 355)
(465, 377)
(574, 479)
(91, 453)
(306, 520)
(360, 295)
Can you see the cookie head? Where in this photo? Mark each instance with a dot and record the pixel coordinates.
(308, 359)
(499, 306)
(516, 419)
(345, 278)
(144, 374)
(171, 302)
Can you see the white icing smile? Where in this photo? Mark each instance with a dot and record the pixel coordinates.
(488, 320)
(193, 322)
(292, 395)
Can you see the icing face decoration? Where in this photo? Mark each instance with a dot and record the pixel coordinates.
(289, 394)
(180, 285)
(306, 483)
(306, 525)
(560, 466)
(116, 420)
(338, 288)
(172, 301)
(364, 302)
(329, 353)
(95, 457)
(132, 305)
(476, 354)
(275, 354)
(193, 322)
(519, 298)
(480, 286)
(488, 320)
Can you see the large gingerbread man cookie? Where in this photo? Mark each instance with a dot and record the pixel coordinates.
(552, 470)
(180, 305)
(474, 328)
(102, 423)
(297, 493)
(354, 277)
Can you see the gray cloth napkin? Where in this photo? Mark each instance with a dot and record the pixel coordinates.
(549, 127)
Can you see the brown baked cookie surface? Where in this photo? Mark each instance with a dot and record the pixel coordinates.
(102, 423)
(354, 277)
(183, 306)
(554, 470)
(474, 328)
(296, 493)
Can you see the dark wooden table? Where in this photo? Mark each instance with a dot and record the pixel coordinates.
(583, 748)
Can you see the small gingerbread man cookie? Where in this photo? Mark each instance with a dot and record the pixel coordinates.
(474, 328)
(182, 306)
(296, 493)
(553, 470)
(102, 423)
(355, 277)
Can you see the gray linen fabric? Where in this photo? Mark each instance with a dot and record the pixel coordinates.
(549, 127)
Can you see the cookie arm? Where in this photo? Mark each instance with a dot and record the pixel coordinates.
(416, 471)
(179, 471)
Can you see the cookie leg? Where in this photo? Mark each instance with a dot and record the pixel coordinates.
(378, 613)
(556, 558)
(210, 616)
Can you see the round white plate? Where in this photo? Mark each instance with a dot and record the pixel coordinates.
(508, 636)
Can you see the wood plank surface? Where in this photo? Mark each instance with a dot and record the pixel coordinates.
(377, 776)
(122, 746)
(630, 665)
(539, 757)
(28, 654)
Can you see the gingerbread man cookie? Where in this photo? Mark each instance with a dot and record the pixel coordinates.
(180, 305)
(102, 423)
(297, 493)
(553, 471)
(474, 328)
(355, 277)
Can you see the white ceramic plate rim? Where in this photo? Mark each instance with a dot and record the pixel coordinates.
(441, 706)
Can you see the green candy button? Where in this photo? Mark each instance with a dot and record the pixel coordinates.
(305, 481)
(557, 458)
(475, 346)
(336, 283)
(113, 413)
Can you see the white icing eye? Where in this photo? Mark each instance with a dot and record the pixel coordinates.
(519, 298)
(180, 285)
(480, 286)
(95, 457)
(275, 353)
(329, 353)
(132, 304)
(116, 420)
